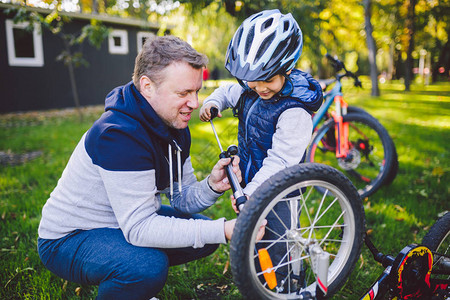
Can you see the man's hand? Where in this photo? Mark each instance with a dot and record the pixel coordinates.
(229, 227)
(205, 112)
(218, 180)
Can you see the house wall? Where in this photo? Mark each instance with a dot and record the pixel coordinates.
(46, 87)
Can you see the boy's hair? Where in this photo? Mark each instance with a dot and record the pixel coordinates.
(159, 52)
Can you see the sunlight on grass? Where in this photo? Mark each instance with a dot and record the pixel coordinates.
(398, 214)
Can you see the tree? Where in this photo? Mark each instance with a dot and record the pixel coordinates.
(411, 5)
(208, 30)
(372, 47)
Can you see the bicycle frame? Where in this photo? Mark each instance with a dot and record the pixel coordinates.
(341, 128)
(329, 99)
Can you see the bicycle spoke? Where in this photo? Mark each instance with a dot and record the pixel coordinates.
(273, 242)
(318, 211)
(329, 232)
(328, 208)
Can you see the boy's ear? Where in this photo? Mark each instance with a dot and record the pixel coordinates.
(289, 72)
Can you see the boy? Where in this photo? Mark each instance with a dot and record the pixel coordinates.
(273, 102)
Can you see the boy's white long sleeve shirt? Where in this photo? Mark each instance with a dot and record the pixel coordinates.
(292, 136)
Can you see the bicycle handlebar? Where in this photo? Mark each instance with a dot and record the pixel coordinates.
(339, 65)
(214, 112)
(385, 260)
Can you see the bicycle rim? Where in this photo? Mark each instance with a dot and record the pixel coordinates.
(304, 217)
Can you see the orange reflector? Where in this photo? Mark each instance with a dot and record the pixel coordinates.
(266, 264)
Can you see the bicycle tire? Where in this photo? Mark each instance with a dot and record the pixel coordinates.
(394, 170)
(355, 109)
(437, 240)
(370, 143)
(343, 241)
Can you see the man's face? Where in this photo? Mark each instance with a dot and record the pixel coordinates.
(267, 89)
(176, 97)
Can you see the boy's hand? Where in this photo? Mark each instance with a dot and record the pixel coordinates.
(233, 203)
(205, 112)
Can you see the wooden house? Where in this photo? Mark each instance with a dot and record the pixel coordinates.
(32, 79)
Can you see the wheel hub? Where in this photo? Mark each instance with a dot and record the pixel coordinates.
(351, 161)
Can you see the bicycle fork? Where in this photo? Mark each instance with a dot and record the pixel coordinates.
(341, 128)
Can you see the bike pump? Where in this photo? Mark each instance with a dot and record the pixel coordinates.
(232, 150)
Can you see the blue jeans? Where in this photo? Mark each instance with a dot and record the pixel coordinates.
(103, 257)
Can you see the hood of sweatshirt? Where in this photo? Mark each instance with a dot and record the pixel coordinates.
(130, 136)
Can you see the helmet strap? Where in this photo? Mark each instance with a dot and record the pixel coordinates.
(241, 83)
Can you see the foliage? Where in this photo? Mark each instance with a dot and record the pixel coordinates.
(337, 27)
(208, 31)
(397, 215)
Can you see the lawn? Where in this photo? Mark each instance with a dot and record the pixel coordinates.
(34, 148)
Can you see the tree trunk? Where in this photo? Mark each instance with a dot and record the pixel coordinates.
(73, 82)
(410, 39)
(372, 47)
(443, 61)
(391, 69)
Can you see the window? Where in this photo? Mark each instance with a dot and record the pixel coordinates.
(118, 42)
(24, 47)
(142, 36)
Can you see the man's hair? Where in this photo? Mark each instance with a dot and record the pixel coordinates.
(159, 52)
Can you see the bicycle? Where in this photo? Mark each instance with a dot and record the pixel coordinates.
(418, 271)
(323, 237)
(352, 140)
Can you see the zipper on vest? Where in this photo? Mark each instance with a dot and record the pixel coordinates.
(247, 168)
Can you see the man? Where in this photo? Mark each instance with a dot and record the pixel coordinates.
(104, 223)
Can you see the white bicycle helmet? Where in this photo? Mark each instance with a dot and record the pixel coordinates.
(266, 44)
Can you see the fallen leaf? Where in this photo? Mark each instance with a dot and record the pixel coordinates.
(423, 193)
(362, 261)
(225, 269)
(399, 208)
(437, 171)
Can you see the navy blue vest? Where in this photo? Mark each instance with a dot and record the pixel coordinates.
(257, 123)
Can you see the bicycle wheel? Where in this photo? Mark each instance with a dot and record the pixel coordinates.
(438, 241)
(355, 109)
(394, 170)
(371, 151)
(300, 219)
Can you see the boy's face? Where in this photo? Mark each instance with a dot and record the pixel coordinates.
(268, 88)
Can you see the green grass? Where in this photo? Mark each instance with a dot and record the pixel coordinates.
(399, 214)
